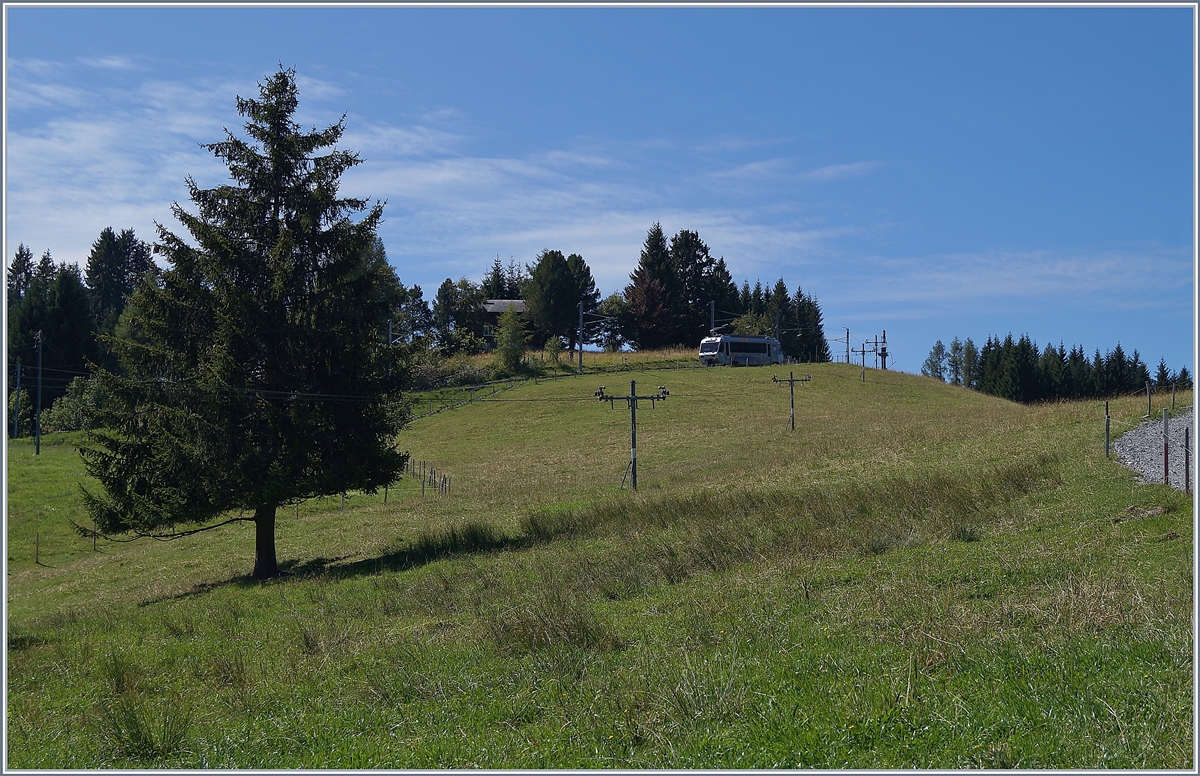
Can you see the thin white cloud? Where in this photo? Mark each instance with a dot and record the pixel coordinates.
(381, 142)
(836, 172)
(1129, 279)
(317, 89)
(110, 63)
(754, 171)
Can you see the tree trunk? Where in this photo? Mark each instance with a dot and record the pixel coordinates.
(264, 542)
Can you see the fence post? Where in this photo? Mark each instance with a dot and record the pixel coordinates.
(1106, 428)
(1149, 411)
(1172, 397)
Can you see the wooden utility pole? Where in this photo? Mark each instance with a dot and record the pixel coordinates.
(632, 400)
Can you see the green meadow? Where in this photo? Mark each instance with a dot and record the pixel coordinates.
(917, 576)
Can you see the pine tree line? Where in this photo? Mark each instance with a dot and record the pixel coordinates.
(676, 288)
(72, 309)
(1018, 371)
(668, 302)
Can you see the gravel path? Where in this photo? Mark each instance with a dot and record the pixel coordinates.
(1141, 449)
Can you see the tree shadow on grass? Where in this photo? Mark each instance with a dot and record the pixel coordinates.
(457, 540)
(428, 547)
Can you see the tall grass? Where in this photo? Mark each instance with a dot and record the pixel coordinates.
(918, 577)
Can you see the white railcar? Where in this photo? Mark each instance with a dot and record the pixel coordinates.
(733, 350)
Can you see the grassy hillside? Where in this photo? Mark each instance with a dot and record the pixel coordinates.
(917, 576)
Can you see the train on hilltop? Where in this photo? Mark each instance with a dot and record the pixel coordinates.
(734, 350)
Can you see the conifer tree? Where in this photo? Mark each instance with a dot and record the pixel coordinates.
(954, 362)
(511, 340)
(551, 301)
(970, 364)
(55, 304)
(115, 266)
(651, 324)
(655, 306)
(493, 283)
(260, 375)
(1162, 377)
(694, 266)
(723, 292)
(935, 362)
(20, 275)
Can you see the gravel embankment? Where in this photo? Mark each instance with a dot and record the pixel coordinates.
(1141, 449)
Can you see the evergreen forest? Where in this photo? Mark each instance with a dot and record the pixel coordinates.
(1019, 371)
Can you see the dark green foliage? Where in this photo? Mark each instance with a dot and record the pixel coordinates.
(723, 292)
(505, 282)
(1162, 377)
(954, 362)
(70, 411)
(811, 343)
(611, 329)
(20, 275)
(551, 298)
(970, 375)
(55, 303)
(675, 294)
(411, 318)
(694, 268)
(585, 293)
(510, 340)
(651, 324)
(653, 296)
(1018, 371)
(115, 267)
(935, 362)
(20, 403)
(259, 374)
(457, 317)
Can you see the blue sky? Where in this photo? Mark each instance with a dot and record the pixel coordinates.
(931, 172)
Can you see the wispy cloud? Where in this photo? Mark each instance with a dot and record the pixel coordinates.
(767, 168)
(110, 63)
(1130, 278)
(836, 172)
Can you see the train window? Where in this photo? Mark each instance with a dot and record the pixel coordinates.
(708, 347)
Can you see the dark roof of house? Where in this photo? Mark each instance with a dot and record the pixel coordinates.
(500, 305)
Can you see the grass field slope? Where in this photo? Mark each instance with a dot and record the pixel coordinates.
(917, 576)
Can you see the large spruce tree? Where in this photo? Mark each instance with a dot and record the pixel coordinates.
(259, 375)
(551, 298)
